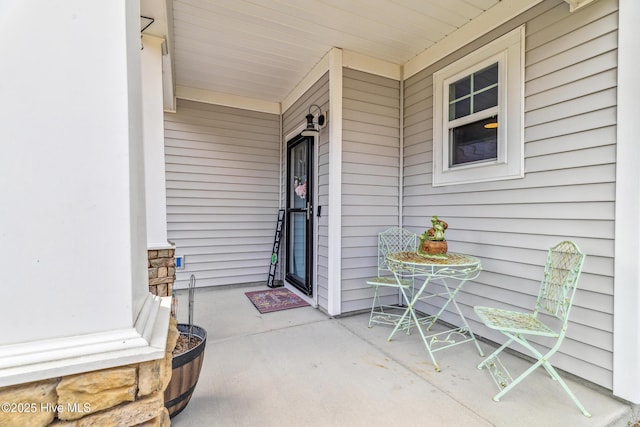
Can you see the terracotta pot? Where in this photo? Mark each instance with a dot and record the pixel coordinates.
(433, 247)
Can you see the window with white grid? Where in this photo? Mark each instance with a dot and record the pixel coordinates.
(478, 114)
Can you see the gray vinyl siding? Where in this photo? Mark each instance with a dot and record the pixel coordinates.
(292, 119)
(568, 190)
(222, 180)
(370, 179)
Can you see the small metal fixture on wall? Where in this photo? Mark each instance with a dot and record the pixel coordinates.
(312, 129)
(145, 22)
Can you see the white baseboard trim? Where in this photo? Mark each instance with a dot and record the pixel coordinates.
(39, 360)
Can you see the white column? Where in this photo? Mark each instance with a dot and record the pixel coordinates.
(334, 303)
(72, 219)
(626, 321)
(153, 119)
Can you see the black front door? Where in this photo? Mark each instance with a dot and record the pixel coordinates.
(299, 264)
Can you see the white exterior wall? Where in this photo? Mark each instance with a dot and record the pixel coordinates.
(72, 218)
(569, 187)
(222, 168)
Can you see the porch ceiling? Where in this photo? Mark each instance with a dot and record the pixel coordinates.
(262, 49)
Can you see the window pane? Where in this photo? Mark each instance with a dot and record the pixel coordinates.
(486, 99)
(460, 88)
(298, 168)
(474, 142)
(460, 109)
(474, 93)
(298, 243)
(485, 77)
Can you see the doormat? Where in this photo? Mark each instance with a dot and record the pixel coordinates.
(275, 300)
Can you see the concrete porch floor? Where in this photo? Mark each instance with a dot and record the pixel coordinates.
(300, 367)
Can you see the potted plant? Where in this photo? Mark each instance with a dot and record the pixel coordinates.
(187, 361)
(432, 241)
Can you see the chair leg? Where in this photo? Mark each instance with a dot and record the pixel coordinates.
(493, 355)
(376, 299)
(556, 376)
(523, 341)
(542, 361)
(407, 300)
(513, 383)
(499, 373)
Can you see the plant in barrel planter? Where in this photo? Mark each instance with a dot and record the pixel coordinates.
(432, 241)
(187, 361)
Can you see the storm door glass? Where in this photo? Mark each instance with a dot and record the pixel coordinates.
(299, 214)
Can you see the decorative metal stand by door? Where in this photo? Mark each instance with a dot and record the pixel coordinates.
(299, 223)
(275, 252)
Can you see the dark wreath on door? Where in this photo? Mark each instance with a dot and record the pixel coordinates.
(299, 247)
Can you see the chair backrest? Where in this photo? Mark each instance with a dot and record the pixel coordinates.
(560, 281)
(392, 240)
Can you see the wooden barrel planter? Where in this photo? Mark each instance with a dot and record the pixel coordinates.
(186, 371)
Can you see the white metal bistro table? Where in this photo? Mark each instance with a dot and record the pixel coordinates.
(452, 272)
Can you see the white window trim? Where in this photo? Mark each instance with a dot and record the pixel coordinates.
(508, 51)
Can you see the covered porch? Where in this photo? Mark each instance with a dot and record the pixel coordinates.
(181, 159)
(303, 367)
(379, 162)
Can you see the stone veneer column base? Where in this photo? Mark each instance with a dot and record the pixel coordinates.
(130, 395)
(162, 271)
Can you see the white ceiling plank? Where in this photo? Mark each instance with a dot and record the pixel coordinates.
(451, 12)
(497, 15)
(265, 49)
(482, 4)
(384, 13)
(341, 29)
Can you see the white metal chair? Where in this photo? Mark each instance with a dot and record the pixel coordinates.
(392, 240)
(555, 298)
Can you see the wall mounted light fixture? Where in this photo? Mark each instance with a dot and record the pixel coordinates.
(312, 129)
